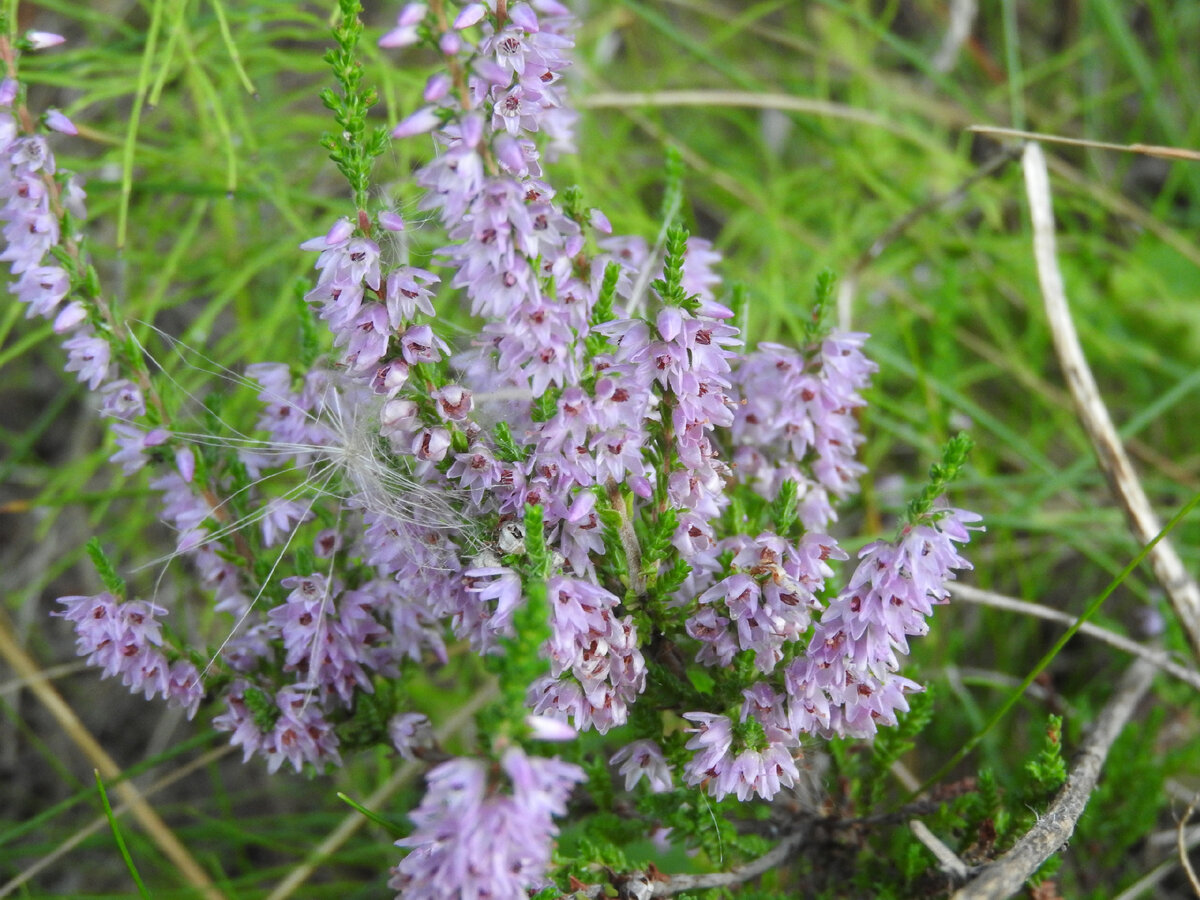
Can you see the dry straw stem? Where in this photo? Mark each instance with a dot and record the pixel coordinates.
(653, 883)
(1182, 845)
(757, 100)
(171, 847)
(1168, 567)
(1144, 149)
(1008, 874)
(100, 823)
(1144, 884)
(948, 862)
(1159, 658)
(958, 31)
(355, 820)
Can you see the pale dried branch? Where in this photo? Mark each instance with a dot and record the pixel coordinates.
(1181, 845)
(948, 861)
(1152, 655)
(1168, 567)
(755, 100)
(642, 885)
(1144, 149)
(1140, 887)
(1008, 874)
(962, 19)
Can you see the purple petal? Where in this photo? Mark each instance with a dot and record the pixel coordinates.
(40, 40)
(390, 221)
(471, 13)
(437, 87)
(56, 121)
(422, 121)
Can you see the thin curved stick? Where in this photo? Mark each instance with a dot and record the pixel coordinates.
(1182, 846)
(752, 100)
(1168, 567)
(1159, 658)
(1008, 874)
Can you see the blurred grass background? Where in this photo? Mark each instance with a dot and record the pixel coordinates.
(875, 176)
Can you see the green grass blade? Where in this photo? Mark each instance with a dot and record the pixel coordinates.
(112, 822)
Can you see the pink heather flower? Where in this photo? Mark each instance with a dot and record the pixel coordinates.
(474, 840)
(853, 655)
(42, 288)
(132, 443)
(600, 222)
(431, 444)
(122, 400)
(643, 759)
(56, 121)
(437, 87)
(716, 766)
(185, 463)
(410, 734)
(301, 734)
(544, 728)
(339, 233)
(763, 773)
(453, 402)
(419, 344)
(280, 518)
(42, 40)
(391, 221)
(124, 639)
(88, 355)
(423, 120)
(69, 317)
(479, 618)
(405, 33)
(469, 15)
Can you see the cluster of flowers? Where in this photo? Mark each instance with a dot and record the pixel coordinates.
(41, 206)
(632, 434)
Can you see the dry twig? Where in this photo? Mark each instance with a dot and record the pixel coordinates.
(1154, 656)
(1182, 846)
(1168, 567)
(948, 861)
(1006, 875)
(962, 19)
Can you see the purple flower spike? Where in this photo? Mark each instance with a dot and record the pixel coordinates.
(472, 841)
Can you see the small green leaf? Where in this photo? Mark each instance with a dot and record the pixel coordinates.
(113, 583)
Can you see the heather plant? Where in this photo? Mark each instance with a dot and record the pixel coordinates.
(512, 445)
